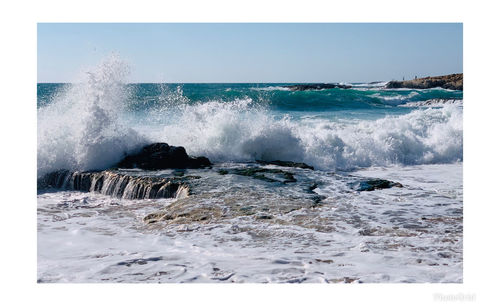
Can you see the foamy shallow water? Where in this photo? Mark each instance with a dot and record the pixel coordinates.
(409, 234)
(241, 228)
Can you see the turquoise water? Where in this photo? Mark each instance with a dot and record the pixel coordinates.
(92, 124)
(407, 234)
(330, 129)
(273, 96)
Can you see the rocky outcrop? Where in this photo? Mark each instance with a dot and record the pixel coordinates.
(450, 81)
(317, 86)
(263, 174)
(285, 164)
(213, 207)
(159, 156)
(374, 184)
(115, 184)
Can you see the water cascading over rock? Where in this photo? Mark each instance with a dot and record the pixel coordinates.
(115, 184)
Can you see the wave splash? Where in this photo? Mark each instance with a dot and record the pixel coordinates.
(89, 126)
(241, 131)
(80, 129)
(421, 137)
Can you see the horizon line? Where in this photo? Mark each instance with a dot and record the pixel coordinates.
(260, 82)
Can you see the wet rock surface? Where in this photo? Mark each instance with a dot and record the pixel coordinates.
(159, 156)
(450, 81)
(264, 194)
(116, 184)
(285, 164)
(264, 174)
(283, 232)
(217, 207)
(375, 184)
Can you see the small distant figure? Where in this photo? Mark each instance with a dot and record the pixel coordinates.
(403, 78)
(415, 77)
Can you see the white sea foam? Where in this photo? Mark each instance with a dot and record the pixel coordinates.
(84, 128)
(236, 132)
(395, 99)
(408, 234)
(79, 129)
(368, 86)
(373, 84)
(432, 103)
(271, 88)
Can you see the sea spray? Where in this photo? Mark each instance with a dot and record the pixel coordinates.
(408, 234)
(424, 136)
(80, 129)
(92, 124)
(239, 131)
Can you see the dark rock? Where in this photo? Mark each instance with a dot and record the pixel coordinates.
(328, 261)
(444, 255)
(260, 174)
(450, 81)
(116, 184)
(317, 199)
(317, 86)
(289, 178)
(263, 217)
(139, 261)
(159, 156)
(312, 187)
(199, 162)
(285, 164)
(374, 184)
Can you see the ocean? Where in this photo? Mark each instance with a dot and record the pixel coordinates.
(245, 220)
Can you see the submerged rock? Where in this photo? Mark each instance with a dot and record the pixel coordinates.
(116, 184)
(213, 207)
(285, 164)
(180, 212)
(317, 86)
(450, 81)
(159, 156)
(260, 174)
(374, 184)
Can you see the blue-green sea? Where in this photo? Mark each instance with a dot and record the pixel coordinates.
(222, 121)
(284, 225)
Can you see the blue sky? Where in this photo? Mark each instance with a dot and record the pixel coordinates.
(254, 52)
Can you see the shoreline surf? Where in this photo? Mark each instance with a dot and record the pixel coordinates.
(360, 184)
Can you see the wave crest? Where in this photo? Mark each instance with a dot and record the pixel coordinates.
(238, 131)
(90, 126)
(80, 129)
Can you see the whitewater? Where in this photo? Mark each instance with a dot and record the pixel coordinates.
(321, 228)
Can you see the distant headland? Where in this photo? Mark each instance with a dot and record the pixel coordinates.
(450, 81)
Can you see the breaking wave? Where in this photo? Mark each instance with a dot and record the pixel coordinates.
(80, 128)
(91, 125)
(236, 132)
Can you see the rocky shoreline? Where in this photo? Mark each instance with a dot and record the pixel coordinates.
(122, 181)
(450, 81)
(316, 86)
(115, 184)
